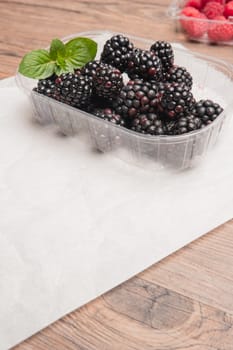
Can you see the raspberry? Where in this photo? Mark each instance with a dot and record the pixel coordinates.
(228, 10)
(194, 3)
(213, 9)
(204, 2)
(220, 31)
(219, 18)
(189, 11)
(197, 27)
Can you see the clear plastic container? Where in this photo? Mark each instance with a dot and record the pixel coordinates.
(212, 79)
(182, 22)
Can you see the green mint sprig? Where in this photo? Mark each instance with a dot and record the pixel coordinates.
(60, 58)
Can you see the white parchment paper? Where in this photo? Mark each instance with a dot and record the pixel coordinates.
(75, 223)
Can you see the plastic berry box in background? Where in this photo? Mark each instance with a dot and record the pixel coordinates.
(208, 21)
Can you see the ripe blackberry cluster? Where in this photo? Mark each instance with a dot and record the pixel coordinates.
(164, 51)
(207, 111)
(107, 81)
(148, 124)
(90, 68)
(46, 87)
(136, 97)
(179, 75)
(74, 89)
(184, 125)
(116, 52)
(144, 64)
(141, 90)
(176, 101)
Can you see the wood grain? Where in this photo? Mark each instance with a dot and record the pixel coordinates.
(139, 315)
(186, 300)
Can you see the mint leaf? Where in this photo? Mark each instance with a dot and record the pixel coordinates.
(57, 49)
(62, 66)
(79, 51)
(61, 58)
(37, 64)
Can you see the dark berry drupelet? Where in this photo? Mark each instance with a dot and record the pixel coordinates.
(170, 126)
(207, 111)
(109, 115)
(148, 124)
(179, 75)
(176, 101)
(74, 89)
(135, 98)
(107, 81)
(164, 51)
(116, 52)
(144, 64)
(46, 87)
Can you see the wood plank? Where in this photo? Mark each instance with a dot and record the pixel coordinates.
(202, 270)
(185, 301)
(139, 315)
(46, 20)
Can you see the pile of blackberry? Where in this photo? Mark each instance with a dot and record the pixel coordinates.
(142, 90)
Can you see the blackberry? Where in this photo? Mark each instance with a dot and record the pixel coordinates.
(161, 86)
(176, 101)
(46, 87)
(144, 64)
(164, 51)
(170, 126)
(179, 75)
(74, 89)
(90, 68)
(184, 125)
(135, 98)
(107, 81)
(116, 52)
(207, 111)
(148, 124)
(109, 115)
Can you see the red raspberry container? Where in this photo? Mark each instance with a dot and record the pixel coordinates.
(202, 30)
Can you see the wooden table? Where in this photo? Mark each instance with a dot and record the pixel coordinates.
(186, 300)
